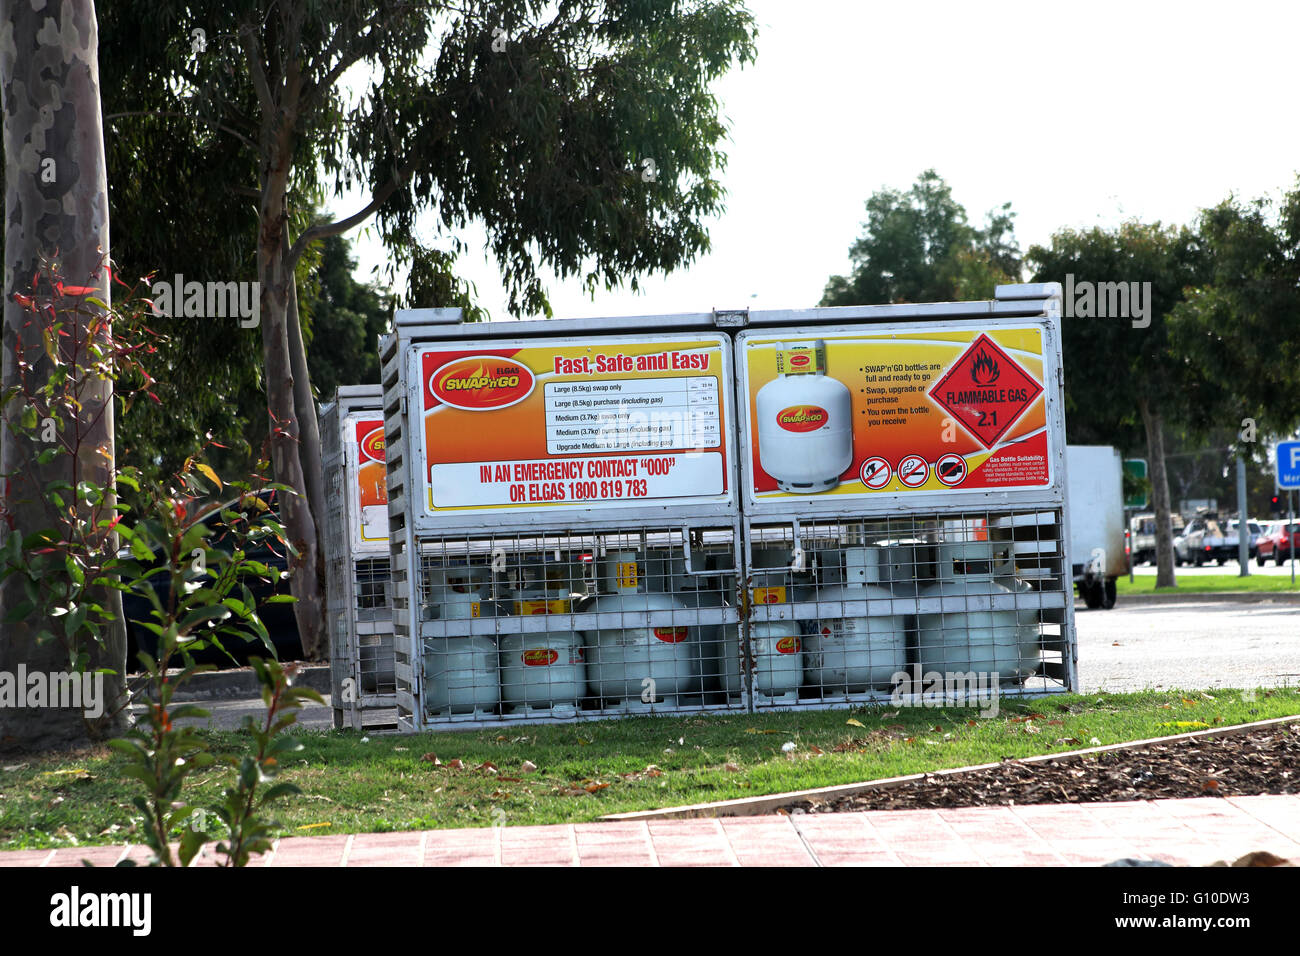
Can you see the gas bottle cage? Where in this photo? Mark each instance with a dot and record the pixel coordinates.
(674, 518)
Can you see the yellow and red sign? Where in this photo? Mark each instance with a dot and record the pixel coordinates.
(371, 524)
(586, 423)
(933, 410)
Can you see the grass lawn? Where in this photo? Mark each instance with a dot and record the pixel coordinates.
(393, 782)
(1202, 583)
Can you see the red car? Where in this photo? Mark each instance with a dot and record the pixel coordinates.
(1278, 544)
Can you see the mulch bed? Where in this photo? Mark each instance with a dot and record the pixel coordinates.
(1230, 766)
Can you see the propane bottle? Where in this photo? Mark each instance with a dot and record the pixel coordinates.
(805, 421)
(699, 592)
(461, 674)
(546, 670)
(636, 665)
(775, 644)
(1030, 640)
(853, 654)
(990, 641)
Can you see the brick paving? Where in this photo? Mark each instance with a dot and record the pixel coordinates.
(1192, 832)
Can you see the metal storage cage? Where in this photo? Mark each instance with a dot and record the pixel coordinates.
(784, 534)
(920, 559)
(358, 603)
(565, 556)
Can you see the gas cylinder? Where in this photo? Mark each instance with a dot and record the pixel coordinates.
(853, 654)
(805, 421)
(990, 641)
(544, 670)
(1030, 641)
(619, 660)
(700, 591)
(776, 645)
(461, 674)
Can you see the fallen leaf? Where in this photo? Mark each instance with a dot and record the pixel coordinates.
(314, 826)
(511, 779)
(816, 750)
(528, 766)
(1115, 644)
(456, 764)
(1068, 740)
(731, 767)
(1095, 742)
(593, 787)
(1210, 784)
(851, 722)
(1261, 858)
(488, 766)
(432, 758)
(755, 730)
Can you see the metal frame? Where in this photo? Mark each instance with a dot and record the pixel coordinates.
(1037, 519)
(360, 620)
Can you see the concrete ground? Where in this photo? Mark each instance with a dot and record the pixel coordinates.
(1195, 832)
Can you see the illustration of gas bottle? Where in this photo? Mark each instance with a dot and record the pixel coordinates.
(805, 421)
(543, 670)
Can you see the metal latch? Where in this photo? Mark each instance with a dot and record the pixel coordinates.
(731, 318)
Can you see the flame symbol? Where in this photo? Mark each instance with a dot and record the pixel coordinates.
(984, 371)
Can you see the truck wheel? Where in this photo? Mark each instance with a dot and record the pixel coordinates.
(1108, 594)
(1092, 595)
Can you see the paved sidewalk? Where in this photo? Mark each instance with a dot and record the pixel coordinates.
(1192, 832)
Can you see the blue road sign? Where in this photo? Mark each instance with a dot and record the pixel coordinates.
(1288, 465)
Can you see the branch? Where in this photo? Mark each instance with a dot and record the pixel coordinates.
(256, 73)
(198, 119)
(325, 230)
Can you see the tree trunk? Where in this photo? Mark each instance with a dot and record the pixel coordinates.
(1154, 424)
(304, 403)
(304, 581)
(56, 208)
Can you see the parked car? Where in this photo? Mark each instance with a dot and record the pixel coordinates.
(1204, 539)
(1277, 545)
(1255, 529)
(1142, 530)
(281, 625)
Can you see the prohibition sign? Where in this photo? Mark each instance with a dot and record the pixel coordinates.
(875, 473)
(913, 470)
(950, 469)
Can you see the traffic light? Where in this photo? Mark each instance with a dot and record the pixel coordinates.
(1276, 506)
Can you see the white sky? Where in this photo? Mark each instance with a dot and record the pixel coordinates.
(1091, 115)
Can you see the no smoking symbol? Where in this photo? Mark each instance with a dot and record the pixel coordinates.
(913, 470)
(950, 469)
(875, 473)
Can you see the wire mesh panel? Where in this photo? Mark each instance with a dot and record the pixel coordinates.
(967, 606)
(358, 600)
(584, 623)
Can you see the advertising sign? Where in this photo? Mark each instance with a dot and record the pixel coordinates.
(857, 412)
(370, 526)
(590, 423)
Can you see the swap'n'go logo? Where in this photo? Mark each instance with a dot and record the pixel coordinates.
(802, 418)
(482, 382)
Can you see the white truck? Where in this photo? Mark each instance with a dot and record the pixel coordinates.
(1095, 491)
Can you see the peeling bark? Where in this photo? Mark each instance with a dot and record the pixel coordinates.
(56, 207)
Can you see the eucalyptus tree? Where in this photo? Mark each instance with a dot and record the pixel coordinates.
(582, 135)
